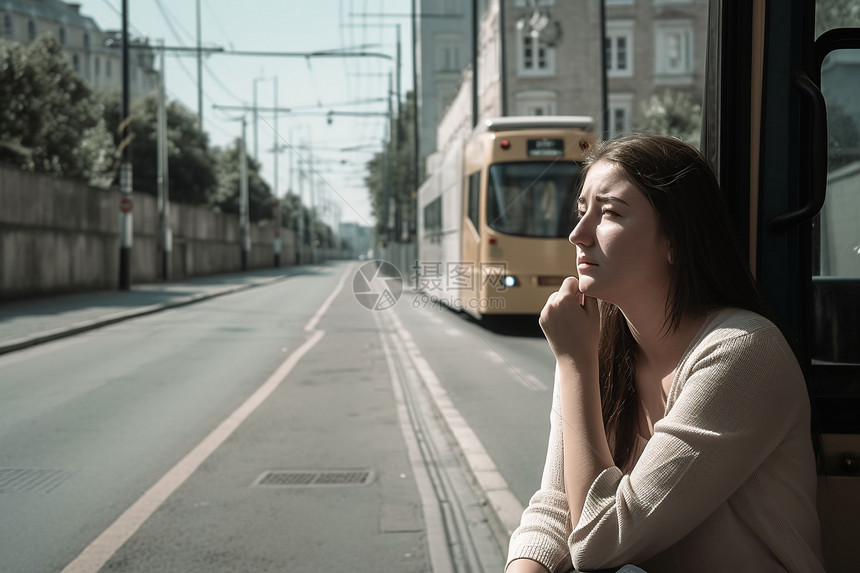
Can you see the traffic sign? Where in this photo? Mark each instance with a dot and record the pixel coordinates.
(125, 205)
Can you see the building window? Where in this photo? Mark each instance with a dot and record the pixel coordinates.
(31, 30)
(98, 66)
(63, 35)
(452, 7)
(619, 49)
(620, 114)
(108, 70)
(533, 3)
(76, 63)
(86, 41)
(537, 102)
(448, 57)
(674, 48)
(8, 28)
(536, 58)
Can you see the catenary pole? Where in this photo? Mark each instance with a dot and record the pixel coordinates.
(126, 231)
(199, 68)
(243, 201)
(276, 246)
(165, 234)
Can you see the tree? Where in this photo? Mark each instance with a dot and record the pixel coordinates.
(673, 114)
(831, 14)
(226, 195)
(191, 164)
(46, 107)
(394, 168)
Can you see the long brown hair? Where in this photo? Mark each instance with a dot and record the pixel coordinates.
(707, 270)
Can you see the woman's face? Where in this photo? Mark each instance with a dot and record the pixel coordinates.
(622, 254)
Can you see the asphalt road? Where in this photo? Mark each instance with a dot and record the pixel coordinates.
(138, 446)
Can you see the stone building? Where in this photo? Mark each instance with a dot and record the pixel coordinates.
(443, 49)
(93, 53)
(543, 57)
(652, 47)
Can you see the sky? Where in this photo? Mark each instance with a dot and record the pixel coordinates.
(309, 87)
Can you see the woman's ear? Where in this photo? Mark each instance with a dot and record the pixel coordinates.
(670, 256)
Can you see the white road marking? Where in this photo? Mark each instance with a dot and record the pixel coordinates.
(490, 479)
(312, 323)
(97, 553)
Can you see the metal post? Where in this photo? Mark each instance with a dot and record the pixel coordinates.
(475, 21)
(256, 153)
(301, 222)
(276, 247)
(503, 59)
(126, 229)
(199, 69)
(243, 201)
(604, 103)
(313, 221)
(165, 234)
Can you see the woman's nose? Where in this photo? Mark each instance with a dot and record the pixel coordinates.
(579, 235)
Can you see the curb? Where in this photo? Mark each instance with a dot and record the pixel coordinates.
(77, 328)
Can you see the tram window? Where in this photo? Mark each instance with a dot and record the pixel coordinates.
(433, 220)
(836, 278)
(830, 14)
(474, 197)
(533, 199)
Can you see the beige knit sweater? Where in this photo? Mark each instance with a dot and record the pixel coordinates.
(726, 483)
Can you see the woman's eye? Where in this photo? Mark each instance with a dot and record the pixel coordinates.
(609, 213)
(580, 213)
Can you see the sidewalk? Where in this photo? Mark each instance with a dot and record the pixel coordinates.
(29, 322)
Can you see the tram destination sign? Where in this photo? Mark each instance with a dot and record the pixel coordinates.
(545, 147)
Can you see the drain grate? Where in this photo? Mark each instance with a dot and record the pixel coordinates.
(311, 478)
(30, 480)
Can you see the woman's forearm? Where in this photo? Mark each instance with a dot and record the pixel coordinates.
(586, 449)
(524, 565)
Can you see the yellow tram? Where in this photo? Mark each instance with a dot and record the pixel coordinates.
(494, 216)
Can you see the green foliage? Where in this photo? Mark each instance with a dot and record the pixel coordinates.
(191, 165)
(226, 195)
(831, 14)
(674, 114)
(46, 107)
(394, 169)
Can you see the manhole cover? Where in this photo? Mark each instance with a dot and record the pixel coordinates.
(311, 478)
(30, 480)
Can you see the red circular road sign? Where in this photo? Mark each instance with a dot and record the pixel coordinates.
(125, 205)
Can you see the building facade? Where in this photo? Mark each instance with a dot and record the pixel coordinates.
(443, 48)
(544, 57)
(652, 47)
(93, 53)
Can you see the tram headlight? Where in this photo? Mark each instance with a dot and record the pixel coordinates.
(510, 281)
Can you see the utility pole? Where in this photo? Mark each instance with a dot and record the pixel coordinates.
(276, 246)
(165, 233)
(604, 100)
(199, 69)
(301, 223)
(126, 230)
(255, 112)
(475, 33)
(244, 225)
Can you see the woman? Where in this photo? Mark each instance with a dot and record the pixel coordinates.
(679, 435)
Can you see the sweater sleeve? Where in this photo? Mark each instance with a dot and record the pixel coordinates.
(734, 399)
(545, 524)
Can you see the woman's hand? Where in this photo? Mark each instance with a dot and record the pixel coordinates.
(571, 322)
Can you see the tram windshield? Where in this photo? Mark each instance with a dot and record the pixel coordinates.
(532, 199)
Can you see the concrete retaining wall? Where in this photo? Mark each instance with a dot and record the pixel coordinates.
(61, 236)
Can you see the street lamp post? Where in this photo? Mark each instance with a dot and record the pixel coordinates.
(165, 233)
(243, 201)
